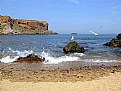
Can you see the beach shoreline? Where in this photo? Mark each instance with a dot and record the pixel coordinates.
(63, 72)
(67, 76)
(110, 83)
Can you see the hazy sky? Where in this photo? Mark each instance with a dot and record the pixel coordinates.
(66, 16)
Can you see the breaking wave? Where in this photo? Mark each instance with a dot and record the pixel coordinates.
(49, 59)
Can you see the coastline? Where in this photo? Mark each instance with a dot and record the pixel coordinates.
(63, 72)
(29, 34)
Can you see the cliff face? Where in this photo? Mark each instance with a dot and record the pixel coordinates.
(9, 25)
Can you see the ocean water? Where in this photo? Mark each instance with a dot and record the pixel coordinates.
(51, 47)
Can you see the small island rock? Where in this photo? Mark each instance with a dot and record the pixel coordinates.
(72, 47)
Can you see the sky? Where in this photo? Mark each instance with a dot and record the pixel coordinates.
(67, 16)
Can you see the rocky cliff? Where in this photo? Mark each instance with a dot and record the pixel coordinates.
(9, 25)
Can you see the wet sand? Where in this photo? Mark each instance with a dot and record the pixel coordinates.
(64, 72)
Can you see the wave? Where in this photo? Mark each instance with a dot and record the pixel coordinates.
(55, 60)
(9, 59)
(16, 54)
(49, 59)
(23, 53)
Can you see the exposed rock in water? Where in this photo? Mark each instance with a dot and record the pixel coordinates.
(119, 36)
(9, 25)
(30, 59)
(116, 42)
(72, 47)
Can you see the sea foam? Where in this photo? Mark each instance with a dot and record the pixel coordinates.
(23, 53)
(48, 57)
(12, 58)
(8, 59)
(56, 60)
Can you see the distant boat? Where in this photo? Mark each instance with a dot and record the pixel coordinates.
(73, 33)
(93, 33)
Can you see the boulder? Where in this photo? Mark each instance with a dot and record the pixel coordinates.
(116, 42)
(72, 47)
(30, 59)
(119, 36)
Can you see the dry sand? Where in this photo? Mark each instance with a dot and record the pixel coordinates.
(109, 83)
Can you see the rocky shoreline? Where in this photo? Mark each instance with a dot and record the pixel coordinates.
(57, 73)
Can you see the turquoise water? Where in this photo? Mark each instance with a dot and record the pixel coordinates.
(51, 47)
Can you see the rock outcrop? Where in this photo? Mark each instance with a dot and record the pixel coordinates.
(9, 25)
(116, 42)
(72, 47)
(30, 59)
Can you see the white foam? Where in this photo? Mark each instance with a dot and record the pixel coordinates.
(99, 60)
(77, 54)
(49, 59)
(9, 59)
(56, 60)
(22, 53)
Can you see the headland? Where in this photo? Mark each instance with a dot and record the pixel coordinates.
(11, 26)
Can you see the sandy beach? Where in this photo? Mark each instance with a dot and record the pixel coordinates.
(30, 77)
(110, 83)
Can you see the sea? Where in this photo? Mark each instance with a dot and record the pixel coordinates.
(51, 47)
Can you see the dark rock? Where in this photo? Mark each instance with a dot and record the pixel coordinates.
(113, 71)
(107, 44)
(73, 47)
(118, 36)
(116, 42)
(30, 59)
